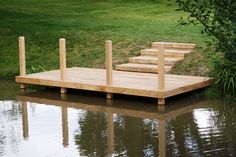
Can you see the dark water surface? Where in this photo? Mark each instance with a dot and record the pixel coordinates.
(47, 124)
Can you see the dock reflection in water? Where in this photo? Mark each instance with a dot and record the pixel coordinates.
(90, 126)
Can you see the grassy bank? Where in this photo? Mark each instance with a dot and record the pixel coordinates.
(86, 25)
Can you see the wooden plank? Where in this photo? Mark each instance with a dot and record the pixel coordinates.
(177, 46)
(152, 60)
(145, 68)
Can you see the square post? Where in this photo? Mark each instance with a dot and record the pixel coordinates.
(22, 59)
(62, 49)
(108, 45)
(161, 72)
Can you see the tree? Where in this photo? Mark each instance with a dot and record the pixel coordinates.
(218, 18)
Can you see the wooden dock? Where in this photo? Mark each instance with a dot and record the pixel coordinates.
(158, 86)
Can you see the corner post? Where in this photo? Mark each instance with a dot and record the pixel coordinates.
(22, 59)
(108, 45)
(62, 49)
(161, 72)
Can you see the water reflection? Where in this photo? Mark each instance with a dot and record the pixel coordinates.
(76, 125)
(25, 124)
(144, 135)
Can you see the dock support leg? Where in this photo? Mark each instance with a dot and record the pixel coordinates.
(63, 90)
(22, 60)
(22, 86)
(109, 95)
(161, 101)
(108, 45)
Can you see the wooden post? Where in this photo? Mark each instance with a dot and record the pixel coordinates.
(62, 47)
(108, 45)
(22, 59)
(161, 72)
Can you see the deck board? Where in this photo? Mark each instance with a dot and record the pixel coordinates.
(131, 83)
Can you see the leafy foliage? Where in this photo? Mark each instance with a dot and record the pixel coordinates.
(225, 75)
(218, 18)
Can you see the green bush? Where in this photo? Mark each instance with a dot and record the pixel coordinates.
(218, 19)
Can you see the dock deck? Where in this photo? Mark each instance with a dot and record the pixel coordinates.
(131, 83)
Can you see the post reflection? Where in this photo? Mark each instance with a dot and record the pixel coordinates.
(25, 125)
(110, 136)
(65, 134)
(162, 138)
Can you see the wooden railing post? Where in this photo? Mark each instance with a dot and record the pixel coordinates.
(62, 47)
(22, 59)
(108, 45)
(161, 71)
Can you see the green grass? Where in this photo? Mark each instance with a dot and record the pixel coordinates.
(86, 24)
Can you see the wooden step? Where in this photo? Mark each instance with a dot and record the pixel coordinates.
(168, 53)
(146, 68)
(175, 46)
(152, 60)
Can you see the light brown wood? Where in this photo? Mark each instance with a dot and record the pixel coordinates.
(153, 60)
(168, 52)
(62, 49)
(176, 46)
(22, 56)
(161, 70)
(63, 90)
(161, 101)
(130, 83)
(145, 68)
(109, 79)
(22, 59)
(148, 60)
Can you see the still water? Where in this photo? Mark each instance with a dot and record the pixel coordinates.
(47, 124)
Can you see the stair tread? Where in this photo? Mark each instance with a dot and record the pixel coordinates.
(179, 46)
(141, 67)
(173, 43)
(167, 51)
(154, 58)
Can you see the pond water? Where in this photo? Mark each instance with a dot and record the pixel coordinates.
(47, 124)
